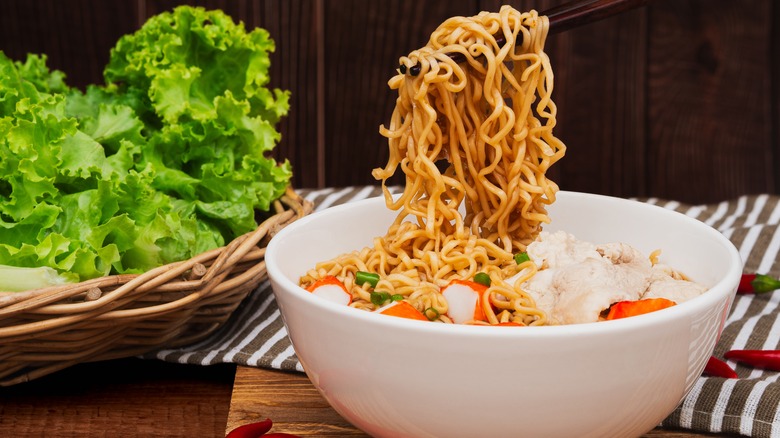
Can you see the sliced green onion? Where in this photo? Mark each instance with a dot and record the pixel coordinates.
(482, 278)
(434, 311)
(522, 257)
(379, 298)
(366, 277)
(396, 297)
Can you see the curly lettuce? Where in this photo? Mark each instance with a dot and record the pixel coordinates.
(169, 158)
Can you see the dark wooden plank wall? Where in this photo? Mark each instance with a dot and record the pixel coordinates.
(679, 100)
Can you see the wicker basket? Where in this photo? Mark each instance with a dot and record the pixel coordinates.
(46, 330)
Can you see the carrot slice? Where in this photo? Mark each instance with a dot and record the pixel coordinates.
(332, 289)
(402, 309)
(464, 299)
(624, 309)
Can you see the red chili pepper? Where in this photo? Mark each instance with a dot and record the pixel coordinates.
(257, 430)
(757, 283)
(251, 430)
(717, 368)
(767, 359)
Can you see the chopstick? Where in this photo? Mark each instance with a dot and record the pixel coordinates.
(564, 17)
(580, 12)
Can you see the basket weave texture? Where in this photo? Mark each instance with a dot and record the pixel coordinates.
(46, 330)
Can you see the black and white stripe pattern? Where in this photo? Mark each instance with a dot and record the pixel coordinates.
(255, 335)
(748, 406)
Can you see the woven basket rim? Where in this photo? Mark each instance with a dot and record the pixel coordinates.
(49, 329)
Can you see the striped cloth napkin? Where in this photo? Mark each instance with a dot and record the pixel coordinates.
(747, 406)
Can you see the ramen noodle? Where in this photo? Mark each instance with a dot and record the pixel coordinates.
(472, 132)
(489, 118)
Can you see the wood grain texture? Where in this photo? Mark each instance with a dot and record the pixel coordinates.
(774, 52)
(289, 400)
(75, 35)
(129, 398)
(709, 113)
(677, 100)
(295, 406)
(600, 67)
(363, 42)
(293, 26)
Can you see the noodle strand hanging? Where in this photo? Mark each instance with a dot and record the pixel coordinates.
(487, 120)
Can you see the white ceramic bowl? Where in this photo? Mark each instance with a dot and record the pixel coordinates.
(395, 377)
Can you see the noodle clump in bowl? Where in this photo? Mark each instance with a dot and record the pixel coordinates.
(473, 137)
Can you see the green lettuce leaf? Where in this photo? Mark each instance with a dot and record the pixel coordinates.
(167, 159)
(202, 80)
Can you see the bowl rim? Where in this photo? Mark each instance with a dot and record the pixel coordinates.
(716, 293)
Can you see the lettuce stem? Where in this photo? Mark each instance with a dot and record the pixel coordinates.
(17, 279)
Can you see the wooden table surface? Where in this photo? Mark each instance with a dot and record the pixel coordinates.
(148, 398)
(295, 406)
